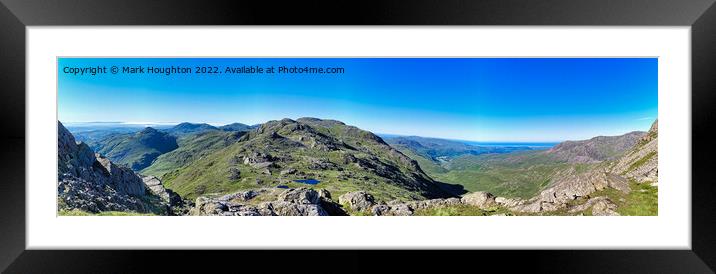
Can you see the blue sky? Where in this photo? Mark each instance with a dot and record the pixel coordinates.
(480, 99)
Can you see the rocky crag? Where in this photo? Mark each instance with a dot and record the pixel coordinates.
(309, 202)
(269, 202)
(363, 202)
(639, 164)
(92, 183)
(595, 150)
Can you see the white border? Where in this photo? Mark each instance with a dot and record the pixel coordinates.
(671, 229)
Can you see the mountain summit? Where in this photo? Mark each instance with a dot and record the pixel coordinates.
(339, 157)
(136, 150)
(189, 128)
(595, 150)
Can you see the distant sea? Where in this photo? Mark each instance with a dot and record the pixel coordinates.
(536, 145)
(509, 144)
(101, 125)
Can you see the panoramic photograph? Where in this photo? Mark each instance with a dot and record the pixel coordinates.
(357, 137)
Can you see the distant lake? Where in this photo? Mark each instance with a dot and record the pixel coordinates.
(281, 186)
(308, 181)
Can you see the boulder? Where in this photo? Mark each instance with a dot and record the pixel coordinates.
(604, 207)
(288, 171)
(401, 210)
(323, 193)
(479, 199)
(601, 206)
(380, 210)
(357, 201)
(240, 196)
(234, 173)
(296, 209)
(299, 196)
(508, 202)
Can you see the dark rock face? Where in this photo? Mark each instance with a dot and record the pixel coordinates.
(92, 183)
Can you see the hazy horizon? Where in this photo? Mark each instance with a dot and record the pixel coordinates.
(471, 99)
(382, 134)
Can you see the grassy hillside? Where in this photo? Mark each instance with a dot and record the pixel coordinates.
(641, 201)
(518, 174)
(237, 127)
(189, 128)
(191, 147)
(136, 150)
(343, 158)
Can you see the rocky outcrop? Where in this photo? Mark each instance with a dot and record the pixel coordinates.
(509, 202)
(269, 202)
(357, 201)
(570, 185)
(601, 206)
(92, 183)
(639, 163)
(642, 163)
(397, 208)
(479, 199)
(167, 195)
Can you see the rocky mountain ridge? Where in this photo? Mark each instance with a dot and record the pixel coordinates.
(594, 150)
(92, 183)
(186, 128)
(278, 152)
(263, 166)
(639, 164)
(238, 127)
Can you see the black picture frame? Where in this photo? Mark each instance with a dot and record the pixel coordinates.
(15, 15)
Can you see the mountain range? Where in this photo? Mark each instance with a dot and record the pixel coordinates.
(138, 148)
(595, 150)
(381, 176)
